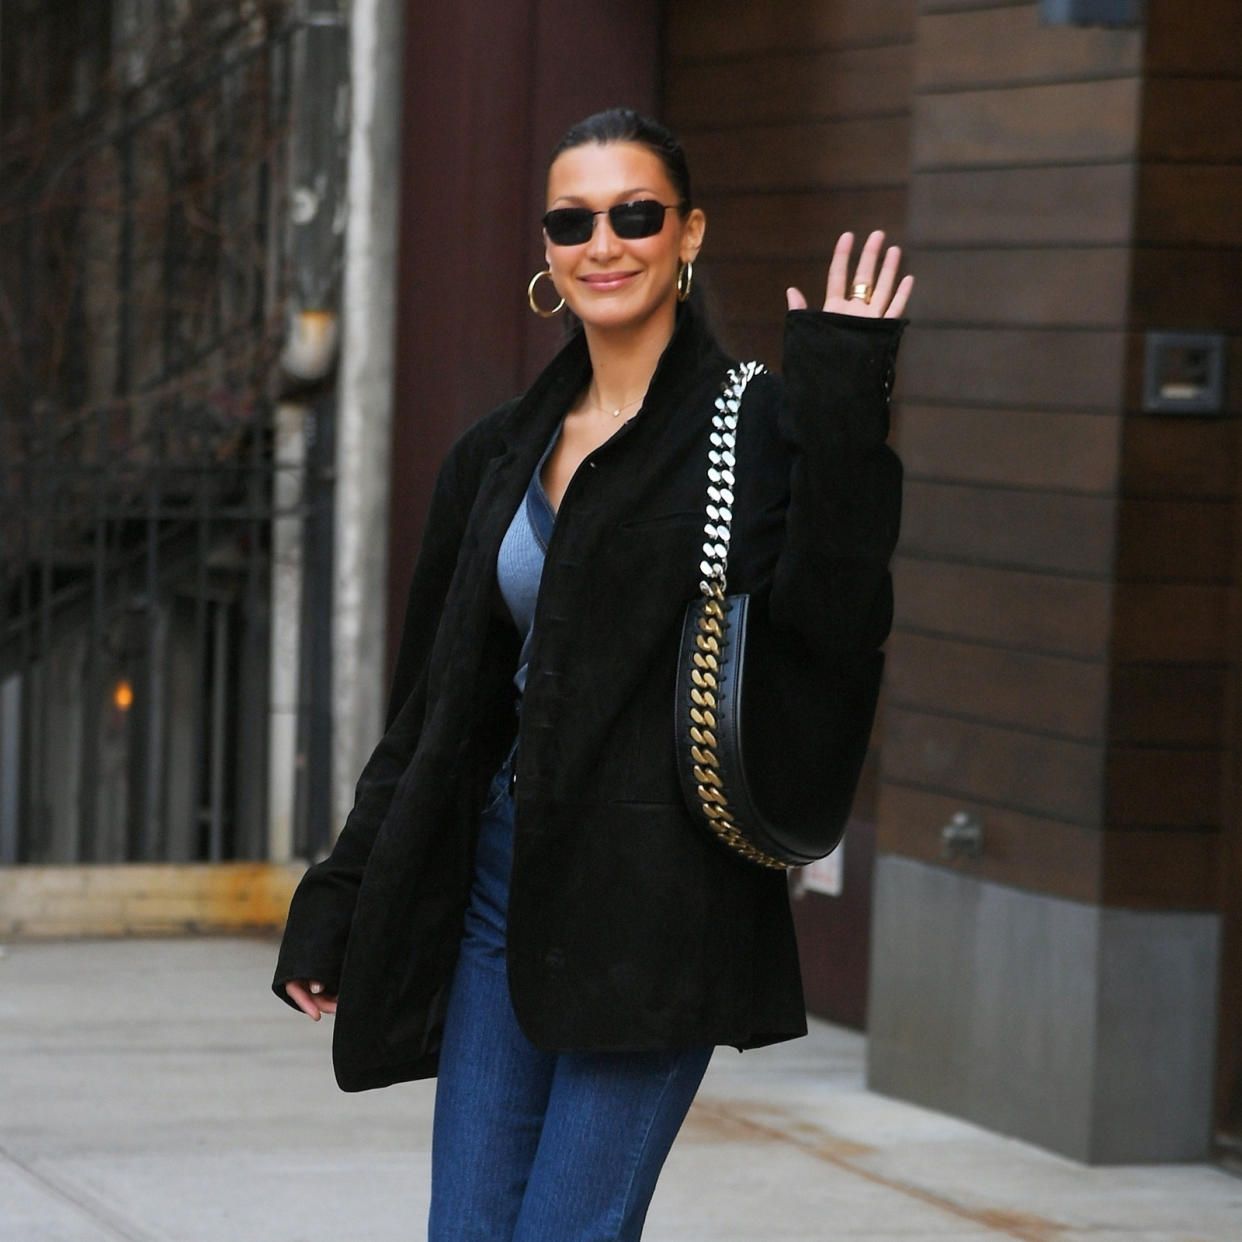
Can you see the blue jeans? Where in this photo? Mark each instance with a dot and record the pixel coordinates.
(532, 1146)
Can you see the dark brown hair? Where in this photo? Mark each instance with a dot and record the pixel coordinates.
(626, 125)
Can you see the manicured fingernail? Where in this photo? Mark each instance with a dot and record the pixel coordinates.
(316, 988)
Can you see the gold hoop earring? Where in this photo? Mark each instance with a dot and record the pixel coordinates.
(685, 280)
(530, 295)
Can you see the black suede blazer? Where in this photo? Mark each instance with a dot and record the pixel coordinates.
(630, 927)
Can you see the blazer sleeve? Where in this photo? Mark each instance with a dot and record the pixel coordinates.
(320, 915)
(831, 582)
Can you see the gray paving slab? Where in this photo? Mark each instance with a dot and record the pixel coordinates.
(154, 1091)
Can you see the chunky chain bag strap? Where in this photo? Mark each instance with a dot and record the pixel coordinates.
(710, 679)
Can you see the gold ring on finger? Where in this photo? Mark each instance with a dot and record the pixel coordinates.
(860, 292)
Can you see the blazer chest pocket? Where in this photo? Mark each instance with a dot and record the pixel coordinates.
(654, 556)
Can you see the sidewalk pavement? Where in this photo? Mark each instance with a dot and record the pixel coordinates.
(155, 1091)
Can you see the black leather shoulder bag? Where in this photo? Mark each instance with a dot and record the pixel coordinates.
(804, 821)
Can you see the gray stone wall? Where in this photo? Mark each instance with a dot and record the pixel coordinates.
(1089, 1031)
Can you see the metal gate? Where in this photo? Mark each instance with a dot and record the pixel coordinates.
(141, 182)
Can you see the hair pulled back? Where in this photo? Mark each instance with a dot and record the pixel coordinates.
(626, 125)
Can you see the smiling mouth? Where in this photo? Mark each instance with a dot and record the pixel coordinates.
(604, 281)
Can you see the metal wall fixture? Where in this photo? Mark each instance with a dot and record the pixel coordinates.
(961, 837)
(1118, 13)
(1184, 373)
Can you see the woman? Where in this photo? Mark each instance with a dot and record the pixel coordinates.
(519, 900)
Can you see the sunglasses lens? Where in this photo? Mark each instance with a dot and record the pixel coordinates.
(643, 218)
(569, 226)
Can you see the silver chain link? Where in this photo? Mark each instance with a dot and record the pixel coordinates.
(720, 478)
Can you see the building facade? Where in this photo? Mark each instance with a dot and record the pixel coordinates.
(1038, 917)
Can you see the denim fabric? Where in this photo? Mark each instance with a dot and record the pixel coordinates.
(530, 1146)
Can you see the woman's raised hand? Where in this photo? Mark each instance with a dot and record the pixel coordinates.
(866, 294)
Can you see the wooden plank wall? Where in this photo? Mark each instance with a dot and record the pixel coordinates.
(796, 121)
(1021, 194)
(1174, 813)
(1173, 640)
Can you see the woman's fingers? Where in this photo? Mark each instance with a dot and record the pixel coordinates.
(308, 995)
(884, 282)
(794, 299)
(839, 269)
(302, 999)
(896, 308)
(868, 262)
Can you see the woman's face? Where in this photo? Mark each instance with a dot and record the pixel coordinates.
(610, 281)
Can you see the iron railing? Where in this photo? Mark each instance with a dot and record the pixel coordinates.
(142, 188)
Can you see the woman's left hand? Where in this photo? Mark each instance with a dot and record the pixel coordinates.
(884, 296)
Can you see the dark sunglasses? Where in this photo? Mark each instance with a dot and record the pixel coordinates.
(571, 226)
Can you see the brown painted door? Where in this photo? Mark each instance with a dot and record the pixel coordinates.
(832, 912)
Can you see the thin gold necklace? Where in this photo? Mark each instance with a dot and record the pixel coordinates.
(603, 409)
